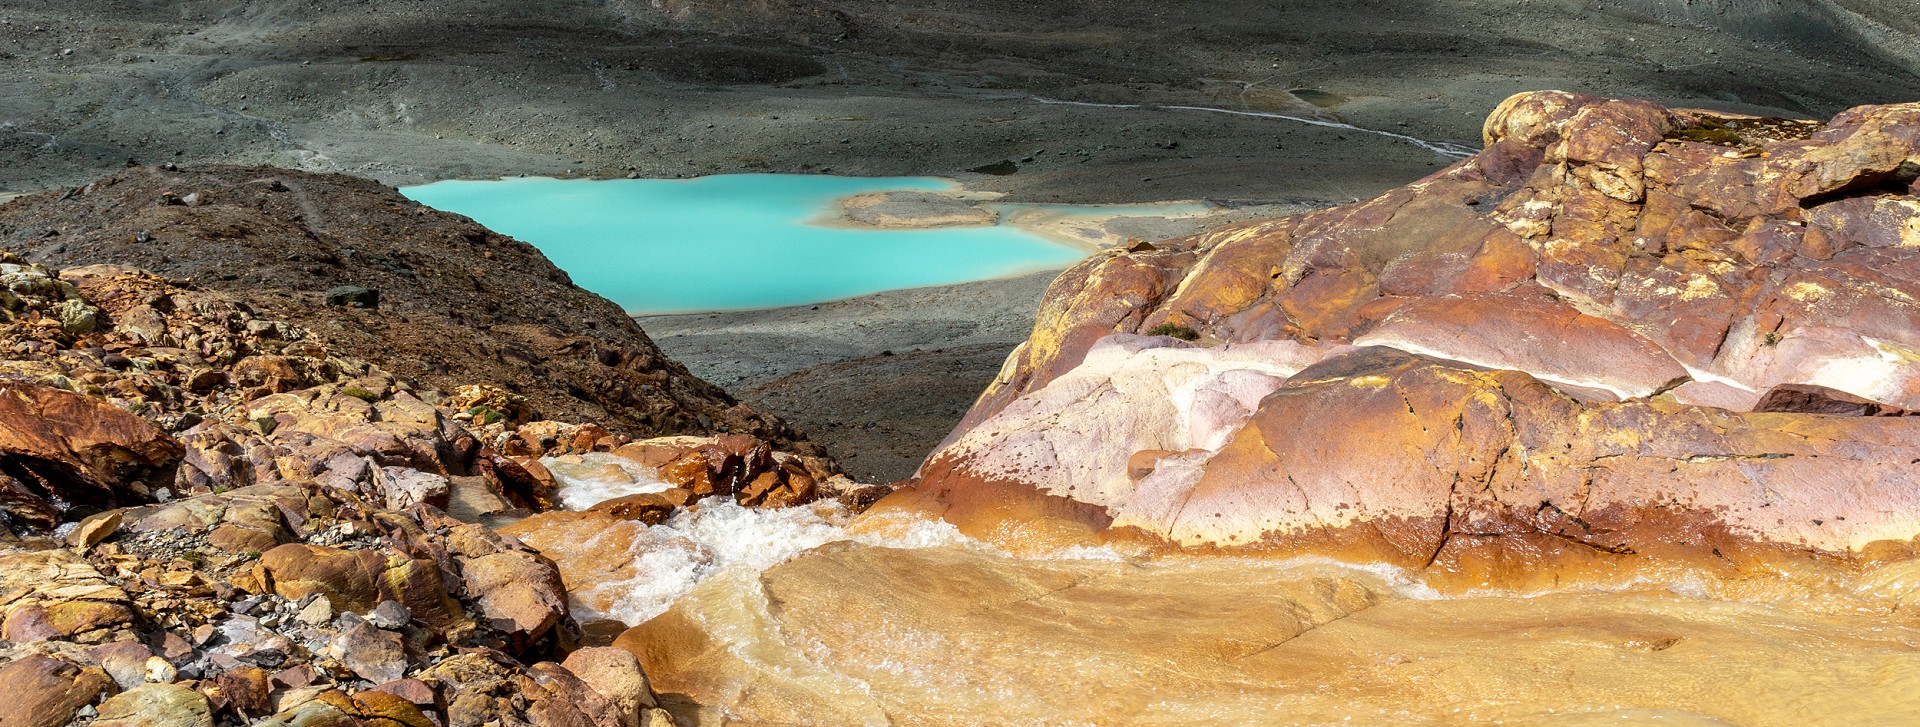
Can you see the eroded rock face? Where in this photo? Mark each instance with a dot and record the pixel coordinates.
(1620, 333)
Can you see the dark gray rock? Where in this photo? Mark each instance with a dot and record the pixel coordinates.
(353, 296)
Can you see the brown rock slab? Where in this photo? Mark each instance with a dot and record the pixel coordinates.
(60, 450)
(156, 705)
(46, 692)
(1809, 399)
(95, 528)
(651, 508)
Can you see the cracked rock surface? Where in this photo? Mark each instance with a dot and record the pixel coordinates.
(1622, 335)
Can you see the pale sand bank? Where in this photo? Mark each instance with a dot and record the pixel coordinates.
(1088, 226)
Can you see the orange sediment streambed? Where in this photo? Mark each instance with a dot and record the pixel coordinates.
(810, 616)
(856, 634)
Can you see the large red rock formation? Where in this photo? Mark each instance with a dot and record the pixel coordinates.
(1566, 348)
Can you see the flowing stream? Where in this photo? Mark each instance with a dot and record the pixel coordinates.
(808, 615)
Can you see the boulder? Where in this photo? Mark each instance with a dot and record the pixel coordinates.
(614, 674)
(520, 594)
(651, 508)
(371, 653)
(55, 594)
(156, 705)
(480, 687)
(352, 296)
(358, 580)
(1619, 335)
(61, 452)
(46, 692)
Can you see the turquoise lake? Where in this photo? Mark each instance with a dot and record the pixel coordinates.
(734, 241)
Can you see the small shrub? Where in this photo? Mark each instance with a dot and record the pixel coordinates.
(1722, 137)
(1168, 329)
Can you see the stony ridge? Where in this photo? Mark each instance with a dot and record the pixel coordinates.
(458, 304)
(214, 515)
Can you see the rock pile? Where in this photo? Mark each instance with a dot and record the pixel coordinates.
(429, 297)
(216, 517)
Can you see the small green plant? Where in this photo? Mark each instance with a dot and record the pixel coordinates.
(492, 417)
(1723, 137)
(1168, 329)
(361, 394)
(194, 557)
(1771, 339)
(1712, 131)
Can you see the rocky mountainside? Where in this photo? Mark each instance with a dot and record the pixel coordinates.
(1621, 335)
(447, 303)
(241, 491)
(609, 87)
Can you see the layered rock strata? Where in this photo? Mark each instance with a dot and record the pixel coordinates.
(1622, 333)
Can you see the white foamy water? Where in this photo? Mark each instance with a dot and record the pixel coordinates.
(588, 479)
(663, 562)
(648, 568)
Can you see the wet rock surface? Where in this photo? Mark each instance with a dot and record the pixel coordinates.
(853, 634)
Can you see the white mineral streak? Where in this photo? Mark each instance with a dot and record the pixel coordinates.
(1073, 437)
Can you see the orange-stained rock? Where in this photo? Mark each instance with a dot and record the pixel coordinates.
(358, 580)
(1531, 333)
(46, 692)
(520, 594)
(56, 594)
(615, 674)
(1603, 294)
(651, 508)
(244, 690)
(841, 635)
(60, 451)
